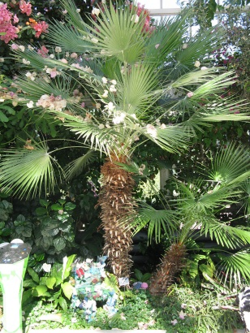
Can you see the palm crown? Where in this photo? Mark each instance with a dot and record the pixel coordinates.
(116, 82)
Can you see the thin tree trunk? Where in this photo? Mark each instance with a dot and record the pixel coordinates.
(117, 203)
(171, 264)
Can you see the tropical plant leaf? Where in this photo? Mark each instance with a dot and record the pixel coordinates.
(224, 234)
(230, 163)
(75, 167)
(29, 171)
(234, 269)
(158, 222)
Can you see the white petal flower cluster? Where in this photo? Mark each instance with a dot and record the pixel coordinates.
(51, 102)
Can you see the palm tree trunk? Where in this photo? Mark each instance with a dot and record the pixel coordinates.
(117, 204)
(171, 263)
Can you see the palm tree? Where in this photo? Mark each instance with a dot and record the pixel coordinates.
(195, 212)
(120, 68)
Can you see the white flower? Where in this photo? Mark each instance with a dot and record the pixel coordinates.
(46, 267)
(98, 105)
(119, 118)
(52, 56)
(135, 18)
(163, 126)
(151, 130)
(203, 68)
(184, 46)
(112, 88)
(94, 40)
(78, 10)
(105, 94)
(58, 49)
(101, 126)
(95, 11)
(110, 106)
(1, 59)
(104, 80)
(113, 82)
(197, 64)
(31, 76)
(30, 105)
(26, 62)
(64, 12)
(22, 48)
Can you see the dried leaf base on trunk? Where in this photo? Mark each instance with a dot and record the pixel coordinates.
(117, 203)
(171, 263)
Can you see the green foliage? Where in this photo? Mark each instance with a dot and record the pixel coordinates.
(53, 227)
(184, 311)
(54, 287)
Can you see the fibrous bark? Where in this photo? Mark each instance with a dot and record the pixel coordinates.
(117, 205)
(171, 264)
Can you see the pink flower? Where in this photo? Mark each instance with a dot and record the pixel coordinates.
(182, 315)
(9, 30)
(25, 7)
(14, 46)
(40, 27)
(43, 51)
(190, 94)
(15, 19)
(144, 285)
(174, 322)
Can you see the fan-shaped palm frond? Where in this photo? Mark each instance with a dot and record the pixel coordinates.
(224, 234)
(234, 269)
(194, 201)
(137, 86)
(68, 37)
(117, 33)
(229, 164)
(170, 138)
(75, 167)
(158, 222)
(29, 171)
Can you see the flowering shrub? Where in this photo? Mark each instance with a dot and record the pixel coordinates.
(9, 21)
(91, 286)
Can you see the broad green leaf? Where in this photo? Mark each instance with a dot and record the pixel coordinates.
(40, 290)
(50, 282)
(207, 269)
(63, 303)
(67, 289)
(3, 118)
(29, 283)
(59, 244)
(27, 296)
(33, 274)
(69, 206)
(43, 202)
(56, 207)
(68, 267)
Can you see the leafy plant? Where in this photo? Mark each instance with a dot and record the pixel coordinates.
(53, 287)
(54, 229)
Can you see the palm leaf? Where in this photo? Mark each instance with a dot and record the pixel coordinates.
(158, 222)
(225, 235)
(230, 164)
(28, 172)
(70, 38)
(116, 34)
(234, 269)
(75, 167)
(135, 95)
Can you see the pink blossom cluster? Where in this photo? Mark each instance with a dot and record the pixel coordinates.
(40, 27)
(141, 11)
(25, 7)
(52, 102)
(6, 24)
